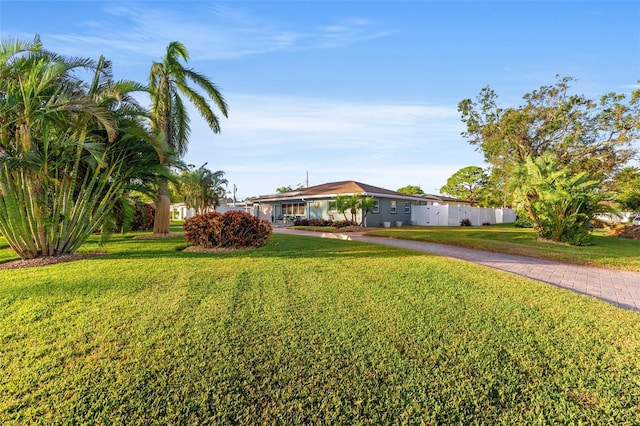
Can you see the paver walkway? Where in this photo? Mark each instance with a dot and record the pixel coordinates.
(620, 288)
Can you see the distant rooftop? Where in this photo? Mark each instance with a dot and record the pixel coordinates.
(337, 188)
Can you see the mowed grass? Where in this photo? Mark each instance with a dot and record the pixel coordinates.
(306, 331)
(606, 252)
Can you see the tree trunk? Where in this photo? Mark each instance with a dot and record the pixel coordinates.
(161, 220)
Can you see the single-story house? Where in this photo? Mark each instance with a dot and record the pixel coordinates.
(180, 211)
(441, 200)
(315, 202)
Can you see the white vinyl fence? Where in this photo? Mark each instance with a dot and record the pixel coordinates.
(453, 215)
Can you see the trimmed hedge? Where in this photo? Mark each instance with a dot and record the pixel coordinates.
(343, 223)
(312, 222)
(233, 229)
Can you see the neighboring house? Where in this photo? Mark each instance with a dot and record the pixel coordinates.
(179, 211)
(440, 200)
(315, 202)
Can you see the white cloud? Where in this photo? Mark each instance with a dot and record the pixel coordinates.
(270, 141)
(211, 32)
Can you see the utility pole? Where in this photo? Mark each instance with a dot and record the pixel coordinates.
(235, 188)
(307, 178)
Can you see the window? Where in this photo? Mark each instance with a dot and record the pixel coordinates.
(393, 206)
(376, 207)
(294, 209)
(407, 207)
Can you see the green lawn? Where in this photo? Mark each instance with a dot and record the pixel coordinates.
(305, 331)
(607, 252)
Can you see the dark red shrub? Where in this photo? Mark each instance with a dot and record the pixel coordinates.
(143, 218)
(140, 217)
(233, 229)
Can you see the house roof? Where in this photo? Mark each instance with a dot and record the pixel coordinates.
(444, 198)
(332, 189)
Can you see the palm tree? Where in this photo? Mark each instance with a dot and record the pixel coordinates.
(58, 164)
(168, 81)
(202, 189)
(68, 150)
(366, 205)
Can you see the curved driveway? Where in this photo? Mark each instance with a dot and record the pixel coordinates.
(620, 288)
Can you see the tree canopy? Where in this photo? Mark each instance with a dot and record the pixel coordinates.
(582, 134)
(473, 183)
(69, 149)
(411, 190)
(626, 185)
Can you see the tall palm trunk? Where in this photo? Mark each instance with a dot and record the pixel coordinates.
(161, 220)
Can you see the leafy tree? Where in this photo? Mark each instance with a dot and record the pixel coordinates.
(68, 150)
(202, 189)
(626, 184)
(168, 81)
(472, 183)
(284, 189)
(411, 190)
(582, 134)
(560, 204)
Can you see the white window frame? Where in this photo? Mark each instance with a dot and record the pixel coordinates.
(394, 207)
(376, 207)
(407, 207)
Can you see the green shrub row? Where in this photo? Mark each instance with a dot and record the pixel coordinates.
(322, 222)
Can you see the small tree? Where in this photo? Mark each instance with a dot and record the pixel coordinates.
(353, 203)
(366, 205)
(202, 189)
(341, 203)
(559, 204)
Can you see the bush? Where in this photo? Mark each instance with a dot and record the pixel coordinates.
(232, 230)
(343, 223)
(523, 222)
(578, 239)
(465, 222)
(312, 222)
(143, 217)
(139, 217)
(486, 224)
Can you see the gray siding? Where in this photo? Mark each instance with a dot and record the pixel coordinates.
(319, 209)
(385, 215)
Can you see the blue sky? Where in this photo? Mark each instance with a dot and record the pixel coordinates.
(362, 90)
